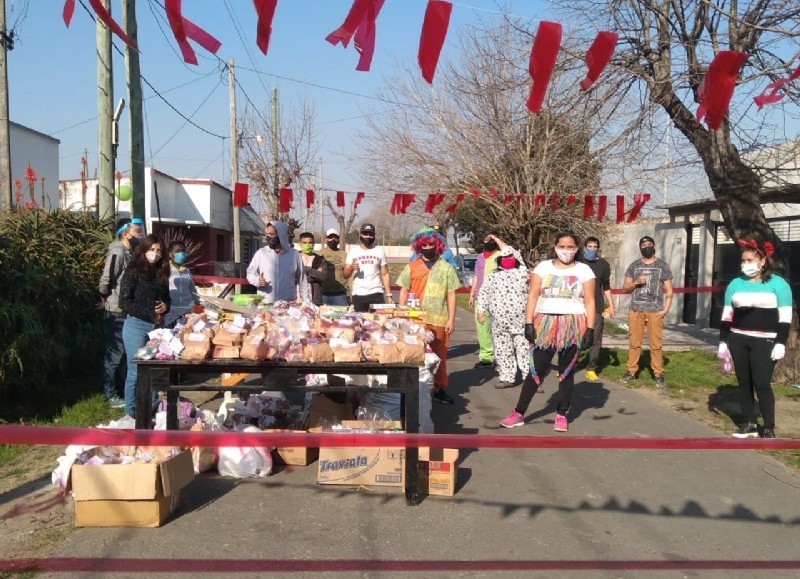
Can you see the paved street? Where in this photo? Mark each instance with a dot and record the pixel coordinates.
(511, 505)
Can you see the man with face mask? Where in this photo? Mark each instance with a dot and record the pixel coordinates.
(334, 288)
(649, 279)
(602, 288)
(367, 265)
(314, 265)
(277, 269)
(129, 233)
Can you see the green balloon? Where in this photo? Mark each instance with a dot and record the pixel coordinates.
(125, 193)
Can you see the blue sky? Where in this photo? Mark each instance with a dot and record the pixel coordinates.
(52, 76)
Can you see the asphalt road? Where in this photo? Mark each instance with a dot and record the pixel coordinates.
(514, 509)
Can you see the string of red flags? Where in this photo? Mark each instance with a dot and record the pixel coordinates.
(431, 41)
(265, 9)
(772, 95)
(598, 57)
(716, 89)
(185, 30)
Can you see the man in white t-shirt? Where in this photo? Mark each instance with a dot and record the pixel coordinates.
(366, 264)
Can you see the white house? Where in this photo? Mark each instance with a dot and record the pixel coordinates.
(39, 152)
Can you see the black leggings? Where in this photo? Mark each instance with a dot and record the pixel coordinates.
(754, 368)
(542, 359)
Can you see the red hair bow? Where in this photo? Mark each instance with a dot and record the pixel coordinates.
(767, 249)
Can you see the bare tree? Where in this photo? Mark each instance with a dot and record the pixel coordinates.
(473, 130)
(279, 151)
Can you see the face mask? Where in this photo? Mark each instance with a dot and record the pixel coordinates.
(134, 241)
(153, 256)
(368, 241)
(648, 252)
(273, 242)
(307, 248)
(566, 255)
(179, 258)
(590, 254)
(430, 253)
(490, 245)
(751, 269)
(509, 262)
(334, 245)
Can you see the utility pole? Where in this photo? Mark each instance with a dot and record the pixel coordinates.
(7, 41)
(275, 163)
(105, 110)
(135, 118)
(322, 200)
(237, 245)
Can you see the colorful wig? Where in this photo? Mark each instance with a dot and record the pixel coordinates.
(428, 236)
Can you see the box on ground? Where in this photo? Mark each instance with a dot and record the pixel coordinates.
(129, 495)
(326, 412)
(437, 469)
(363, 466)
(294, 455)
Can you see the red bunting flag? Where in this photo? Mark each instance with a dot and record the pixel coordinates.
(359, 198)
(343, 34)
(265, 9)
(459, 198)
(716, 90)
(434, 200)
(508, 198)
(520, 199)
(571, 200)
(542, 62)
(538, 202)
(185, 30)
(286, 200)
(554, 201)
(434, 31)
(598, 57)
(364, 40)
(103, 15)
(493, 193)
(340, 199)
(476, 194)
(602, 205)
(639, 200)
(241, 192)
(588, 207)
(620, 209)
(771, 95)
(309, 198)
(401, 202)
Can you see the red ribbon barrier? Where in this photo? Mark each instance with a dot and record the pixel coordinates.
(43, 435)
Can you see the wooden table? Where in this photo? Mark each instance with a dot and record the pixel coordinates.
(164, 375)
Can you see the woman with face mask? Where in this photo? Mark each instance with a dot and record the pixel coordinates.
(144, 297)
(755, 323)
(559, 319)
(182, 291)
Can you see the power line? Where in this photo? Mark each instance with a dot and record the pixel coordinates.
(244, 44)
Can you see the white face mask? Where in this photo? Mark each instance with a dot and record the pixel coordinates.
(566, 255)
(153, 256)
(750, 269)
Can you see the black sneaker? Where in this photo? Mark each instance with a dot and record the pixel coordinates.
(627, 377)
(748, 430)
(484, 364)
(442, 397)
(660, 382)
(768, 433)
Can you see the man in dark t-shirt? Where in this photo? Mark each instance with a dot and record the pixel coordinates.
(602, 272)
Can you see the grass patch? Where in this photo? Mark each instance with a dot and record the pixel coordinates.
(462, 301)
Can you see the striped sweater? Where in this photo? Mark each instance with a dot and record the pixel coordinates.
(761, 308)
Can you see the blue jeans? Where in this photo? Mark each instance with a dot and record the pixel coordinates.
(134, 334)
(114, 363)
(335, 300)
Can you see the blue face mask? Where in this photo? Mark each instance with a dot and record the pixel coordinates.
(590, 254)
(180, 257)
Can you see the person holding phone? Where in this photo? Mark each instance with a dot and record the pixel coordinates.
(144, 297)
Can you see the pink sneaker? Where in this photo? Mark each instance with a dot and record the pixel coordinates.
(512, 420)
(562, 425)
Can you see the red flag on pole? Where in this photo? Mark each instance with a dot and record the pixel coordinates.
(542, 62)
(286, 199)
(434, 31)
(309, 198)
(241, 191)
(340, 199)
(266, 12)
(598, 57)
(716, 90)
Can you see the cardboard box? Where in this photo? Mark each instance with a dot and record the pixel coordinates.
(363, 466)
(129, 495)
(326, 412)
(294, 455)
(436, 471)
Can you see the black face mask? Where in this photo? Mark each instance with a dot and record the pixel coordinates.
(490, 245)
(368, 241)
(273, 242)
(430, 254)
(648, 252)
(334, 245)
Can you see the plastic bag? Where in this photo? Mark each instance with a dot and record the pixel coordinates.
(246, 461)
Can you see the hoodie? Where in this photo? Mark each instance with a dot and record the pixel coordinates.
(286, 280)
(117, 259)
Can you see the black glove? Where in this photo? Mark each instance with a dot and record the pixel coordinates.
(588, 339)
(530, 333)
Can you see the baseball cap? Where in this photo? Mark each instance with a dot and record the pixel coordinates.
(646, 238)
(332, 231)
(368, 228)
